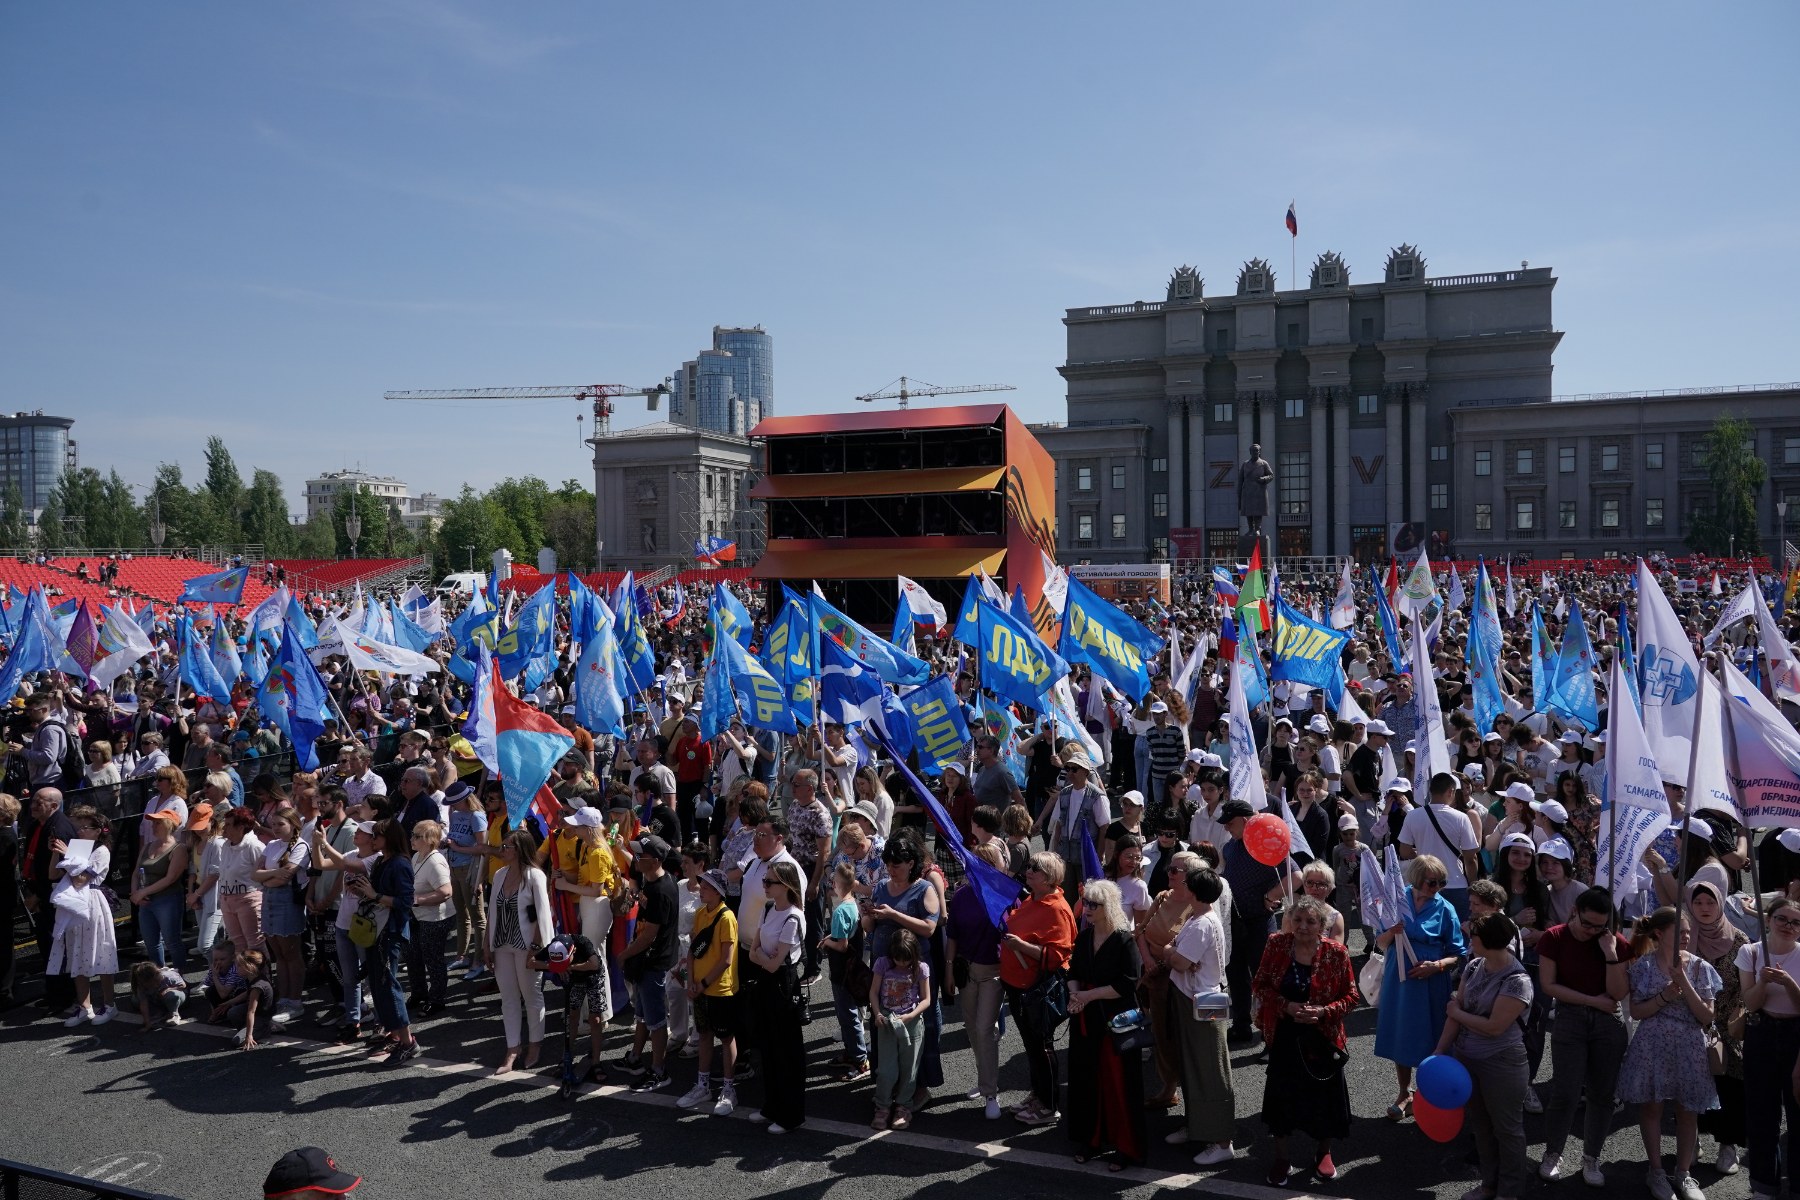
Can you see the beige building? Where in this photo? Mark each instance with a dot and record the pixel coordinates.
(661, 487)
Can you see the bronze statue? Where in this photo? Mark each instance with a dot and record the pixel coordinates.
(1254, 474)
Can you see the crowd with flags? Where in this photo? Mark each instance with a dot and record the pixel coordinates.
(1514, 814)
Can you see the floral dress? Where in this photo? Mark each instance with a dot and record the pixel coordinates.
(1667, 1058)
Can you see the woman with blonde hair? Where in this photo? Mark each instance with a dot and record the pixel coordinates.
(1040, 933)
(433, 909)
(283, 878)
(1106, 1086)
(1414, 996)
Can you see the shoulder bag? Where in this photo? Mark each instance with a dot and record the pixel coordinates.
(1048, 998)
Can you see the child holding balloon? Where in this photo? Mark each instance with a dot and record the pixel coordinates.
(1481, 1061)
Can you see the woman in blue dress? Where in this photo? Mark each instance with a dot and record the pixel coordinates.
(1411, 1016)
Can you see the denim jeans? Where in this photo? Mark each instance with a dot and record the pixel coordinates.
(850, 1022)
(350, 969)
(384, 982)
(159, 920)
(1586, 1048)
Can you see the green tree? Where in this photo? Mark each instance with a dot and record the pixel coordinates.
(569, 527)
(1729, 523)
(52, 530)
(315, 539)
(15, 519)
(114, 518)
(182, 514)
(225, 490)
(518, 506)
(265, 515)
(467, 520)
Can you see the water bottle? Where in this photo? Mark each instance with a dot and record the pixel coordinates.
(1130, 1019)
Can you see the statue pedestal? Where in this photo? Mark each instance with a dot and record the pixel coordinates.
(1247, 542)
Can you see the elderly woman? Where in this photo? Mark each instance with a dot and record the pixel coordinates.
(1155, 933)
(860, 846)
(1040, 933)
(1414, 994)
(1106, 1086)
(1485, 1031)
(1303, 989)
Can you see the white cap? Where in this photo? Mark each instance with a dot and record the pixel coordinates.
(1380, 727)
(1209, 759)
(1319, 724)
(1196, 754)
(1557, 847)
(1491, 736)
(366, 828)
(589, 817)
(1522, 840)
(1159, 707)
(1700, 828)
(1476, 772)
(1347, 822)
(1280, 721)
(1401, 784)
(1551, 808)
(1522, 793)
(1789, 839)
(1571, 738)
(1134, 798)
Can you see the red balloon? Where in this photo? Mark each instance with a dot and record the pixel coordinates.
(1266, 837)
(1438, 1124)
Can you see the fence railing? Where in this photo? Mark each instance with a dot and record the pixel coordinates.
(20, 1181)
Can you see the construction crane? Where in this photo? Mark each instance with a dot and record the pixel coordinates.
(912, 387)
(602, 394)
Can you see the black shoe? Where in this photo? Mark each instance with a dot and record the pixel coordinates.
(632, 1065)
(405, 1053)
(1239, 1035)
(347, 1033)
(653, 1080)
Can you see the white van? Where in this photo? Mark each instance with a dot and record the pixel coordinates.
(463, 583)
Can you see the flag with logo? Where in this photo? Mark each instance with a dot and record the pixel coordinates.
(1635, 808)
(1096, 632)
(1253, 597)
(1308, 652)
(528, 744)
(1011, 660)
(1574, 698)
(887, 660)
(925, 609)
(221, 587)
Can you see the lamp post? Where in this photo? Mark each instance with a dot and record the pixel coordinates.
(353, 522)
(1781, 533)
(471, 551)
(158, 531)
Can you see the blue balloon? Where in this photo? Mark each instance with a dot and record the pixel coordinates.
(1445, 1082)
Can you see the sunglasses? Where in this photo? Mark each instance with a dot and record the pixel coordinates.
(1432, 884)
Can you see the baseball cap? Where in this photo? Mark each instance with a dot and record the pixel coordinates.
(1380, 727)
(1551, 808)
(1476, 772)
(1319, 725)
(1231, 810)
(714, 879)
(1491, 736)
(1522, 840)
(1790, 840)
(1700, 828)
(1401, 784)
(307, 1169)
(1347, 822)
(1557, 847)
(1522, 793)
(588, 817)
(1280, 721)
(1209, 759)
(1159, 707)
(200, 817)
(1571, 738)
(1196, 754)
(366, 828)
(653, 846)
(1133, 799)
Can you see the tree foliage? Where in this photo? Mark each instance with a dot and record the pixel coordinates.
(1729, 523)
(521, 515)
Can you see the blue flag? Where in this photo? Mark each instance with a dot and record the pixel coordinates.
(599, 705)
(1111, 642)
(1544, 662)
(271, 689)
(32, 649)
(849, 689)
(1574, 699)
(475, 625)
(1005, 727)
(256, 667)
(1308, 652)
(584, 616)
(146, 618)
(730, 616)
(532, 636)
(998, 890)
(1012, 661)
(480, 727)
(1628, 655)
(640, 663)
(715, 714)
(408, 632)
(1483, 654)
(903, 626)
(222, 587)
(761, 700)
(934, 721)
(225, 653)
(887, 660)
(1390, 629)
(307, 701)
(196, 667)
(1090, 855)
(301, 624)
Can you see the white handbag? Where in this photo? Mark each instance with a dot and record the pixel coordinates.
(1368, 980)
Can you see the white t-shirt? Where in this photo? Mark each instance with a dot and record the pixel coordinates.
(236, 862)
(1417, 832)
(1202, 942)
(751, 900)
(1134, 896)
(782, 927)
(278, 853)
(348, 902)
(1754, 958)
(429, 874)
(1331, 766)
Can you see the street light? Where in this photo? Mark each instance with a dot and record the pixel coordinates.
(353, 522)
(1781, 532)
(471, 551)
(158, 531)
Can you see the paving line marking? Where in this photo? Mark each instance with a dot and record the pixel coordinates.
(988, 1151)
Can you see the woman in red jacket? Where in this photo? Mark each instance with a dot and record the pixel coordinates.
(691, 756)
(1302, 992)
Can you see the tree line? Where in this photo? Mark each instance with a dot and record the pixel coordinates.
(90, 510)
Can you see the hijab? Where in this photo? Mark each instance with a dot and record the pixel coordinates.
(1713, 941)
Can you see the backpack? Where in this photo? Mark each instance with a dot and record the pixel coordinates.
(74, 758)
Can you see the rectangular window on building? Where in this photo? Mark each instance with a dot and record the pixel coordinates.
(709, 487)
(1296, 483)
(1653, 455)
(1440, 495)
(1484, 516)
(1159, 504)
(1609, 512)
(1790, 451)
(1484, 462)
(1118, 528)
(1084, 479)
(1525, 462)
(1224, 414)
(1293, 333)
(1368, 330)
(1565, 515)
(1159, 547)
(1609, 457)
(1525, 515)
(1440, 454)
(1084, 527)
(1159, 466)
(1222, 340)
(1653, 513)
(1368, 406)
(1118, 475)
(1293, 408)
(1565, 461)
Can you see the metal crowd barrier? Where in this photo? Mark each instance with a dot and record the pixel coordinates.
(19, 1181)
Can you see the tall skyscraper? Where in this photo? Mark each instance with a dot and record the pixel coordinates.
(730, 387)
(35, 450)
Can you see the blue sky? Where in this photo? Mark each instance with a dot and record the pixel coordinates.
(254, 219)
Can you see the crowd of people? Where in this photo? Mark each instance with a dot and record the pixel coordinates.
(715, 889)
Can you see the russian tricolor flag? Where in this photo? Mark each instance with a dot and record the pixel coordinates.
(1293, 222)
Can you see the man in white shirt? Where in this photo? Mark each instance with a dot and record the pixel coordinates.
(363, 783)
(1440, 829)
(768, 846)
(151, 756)
(1196, 961)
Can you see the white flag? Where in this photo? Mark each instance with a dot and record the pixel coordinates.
(1349, 710)
(1636, 807)
(122, 642)
(1458, 597)
(1717, 589)
(1343, 609)
(1056, 584)
(1742, 605)
(1417, 589)
(922, 603)
(1246, 769)
(1670, 672)
(1762, 752)
(367, 654)
(1784, 667)
(1430, 755)
(1512, 598)
(1708, 782)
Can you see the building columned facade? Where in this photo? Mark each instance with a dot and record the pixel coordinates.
(659, 488)
(1347, 387)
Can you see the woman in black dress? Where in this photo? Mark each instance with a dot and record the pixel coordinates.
(1106, 1087)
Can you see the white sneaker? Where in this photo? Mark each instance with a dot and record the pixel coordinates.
(774, 1128)
(695, 1096)
(1657, 1180)
(105, 1015)
(1728, 1160)
(727, 1102)
(80, 1016)
(1688, 1189)
(992, 1111)
(1551, 1169)
(975, 1094)
(1532, 1103)
(178, 1019)
(1178, 1138)
(281, 1016)
(1213, 1155)
(1590, 1172)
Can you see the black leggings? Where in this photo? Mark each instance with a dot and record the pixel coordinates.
(1040, 1048)
(1771, 1046)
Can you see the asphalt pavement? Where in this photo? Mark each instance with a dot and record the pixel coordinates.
(181, 1111)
